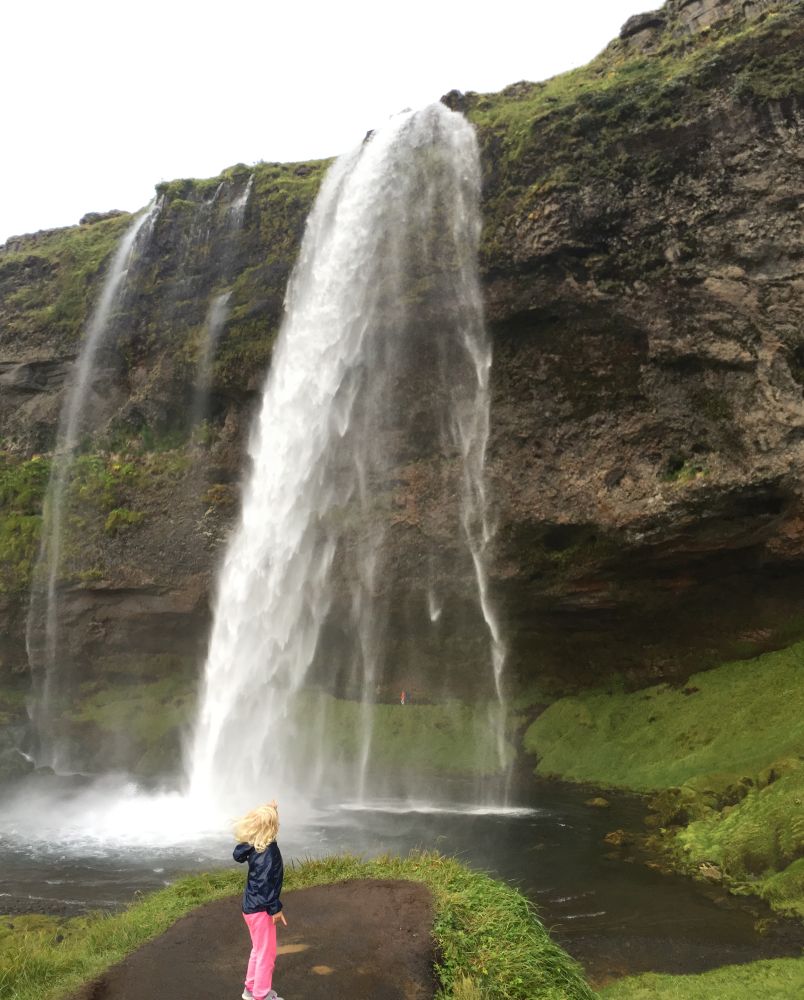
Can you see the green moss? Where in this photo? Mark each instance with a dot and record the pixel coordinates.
(580, 127)
(485, 932)
(187, 189)
(245, 352)
(47, 287)
(737, 718)
(683, 470)
(724, 755)
(99, 481)
(104, 490)
(452, 737)
(120, 519)
(755, 841)
(137, 705)
(23, 484)
(776, 979)
(785, 890)
(19, 542)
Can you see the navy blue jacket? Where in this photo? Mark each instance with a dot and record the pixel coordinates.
(264, 882)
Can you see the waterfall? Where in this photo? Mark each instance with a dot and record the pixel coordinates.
(42, 629)
(218, 309)
(214, 322)
(361, 551)
(237, 210)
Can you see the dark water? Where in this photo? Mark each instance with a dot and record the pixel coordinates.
(609, 910)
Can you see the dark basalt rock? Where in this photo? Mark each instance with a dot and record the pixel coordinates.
(455, 100)
(92, 217)
(643, 22)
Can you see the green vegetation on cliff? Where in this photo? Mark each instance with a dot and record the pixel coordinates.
(582, 126)
(133, 712)
(284, 193)
(724, 756)
(489, 940)
(22, 489)
(47, 280)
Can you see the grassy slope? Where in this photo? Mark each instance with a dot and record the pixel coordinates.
(737, 719)
(490, 943)
(47, 284)
(724, 755)
(779, 979)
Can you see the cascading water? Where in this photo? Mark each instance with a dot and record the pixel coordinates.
(237, 210)
(215, 320)
(42, 632)
(218, 309)
(360, 558)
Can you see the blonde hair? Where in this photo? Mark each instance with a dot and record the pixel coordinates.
(258, 827)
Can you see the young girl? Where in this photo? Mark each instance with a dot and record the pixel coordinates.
(262, 908)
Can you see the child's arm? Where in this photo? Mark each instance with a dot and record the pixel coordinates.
(272, 877)
(241, 852)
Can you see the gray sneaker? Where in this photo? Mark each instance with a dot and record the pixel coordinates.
(247, 994)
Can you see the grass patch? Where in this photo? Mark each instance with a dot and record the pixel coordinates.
(133, 720)
(449, 738)
(757, 842)
(121, 519)
(737, 718)
(490, 943)
(725, 755)
(47, 286)
(23, 483)
(775, 979)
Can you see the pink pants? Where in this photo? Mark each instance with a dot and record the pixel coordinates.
(261, 962)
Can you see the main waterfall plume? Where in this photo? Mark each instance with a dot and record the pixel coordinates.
(358, 570)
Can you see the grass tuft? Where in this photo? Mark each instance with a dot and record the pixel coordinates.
(775, 979)
(489, 942)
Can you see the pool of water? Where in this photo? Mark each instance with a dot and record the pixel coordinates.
(75, 847)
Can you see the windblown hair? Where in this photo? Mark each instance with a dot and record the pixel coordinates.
(258, 827)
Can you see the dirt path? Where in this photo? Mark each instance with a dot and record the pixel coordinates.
(361, 940)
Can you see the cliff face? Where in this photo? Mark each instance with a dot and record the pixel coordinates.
(642, 264)
(644, 283)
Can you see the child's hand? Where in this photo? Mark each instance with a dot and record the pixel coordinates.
(280, 916)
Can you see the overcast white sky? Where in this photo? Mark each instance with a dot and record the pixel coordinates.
(102, 99)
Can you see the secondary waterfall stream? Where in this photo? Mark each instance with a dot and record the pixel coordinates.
(42, 633)
(366, 504)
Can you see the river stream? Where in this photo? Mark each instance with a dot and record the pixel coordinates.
(611, 911)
